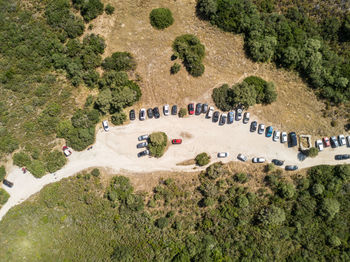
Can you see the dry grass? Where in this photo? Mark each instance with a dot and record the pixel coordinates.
(187, 162)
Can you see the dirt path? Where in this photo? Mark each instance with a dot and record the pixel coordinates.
(117, 150)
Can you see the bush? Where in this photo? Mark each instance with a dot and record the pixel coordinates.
(37, 168)
(242, 201)
(119, 61)
(329, 208)
(182, 112)
(202, 159)
(109, 9)
(2, 173)
(272, 215)
(21, 159)
(95, 172)
(157, 143)
(55, 161)
(312, 152)
(4, 196)
(191, 51)
(175, 68)
(161, 18)
(162, 222)
(118, 118)
(90, 9)
(119, 189)
(241, 177)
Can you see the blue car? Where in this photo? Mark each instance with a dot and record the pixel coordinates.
(269, 130)
(230, 117)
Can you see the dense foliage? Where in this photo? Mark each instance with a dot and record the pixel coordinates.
(251, 91)
(301, 219)
(157, 143)
(89, 9)
(161, 18)
(191, 51)
(202, 159)
(291, 40)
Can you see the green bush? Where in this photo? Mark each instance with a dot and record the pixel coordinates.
(182, 112)
(175, 68)
(95, 172)
(329, 208)
(157, 143)
(4, 196)
(119, 61)
(55, 161)
(119, 189)
(162, 222)
(161, 18)
(21, 159)
(109, 9)
(191, 51)
(118, 118)
(90, 9)
(37, 168)
(312, 152)
(202, 159)
(272, 215)
(2, 173)
(241, 177)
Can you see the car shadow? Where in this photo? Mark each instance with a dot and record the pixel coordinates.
(301, 156)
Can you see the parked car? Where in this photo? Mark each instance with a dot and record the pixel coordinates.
(230, 117)
(204, 108)
(246, 117)
(348, 140)
(293, 139)
(242, 157)
(239, 114)
(105, 125)
(326, 142)
(142, 114)
(143, 137)
(7, 183)
(334, 141)
(191, 109)
(342, 157)
(132, 114)
(258, 160)
(253, 126)
(216, 116)
(223, 118)
(198, 109)
(210, 112)
(176, 141)
(166, 110)
(142, 144)
(156, 112)
(261, 129)
(150, 113)
(284, 137)
(277, 162)
(223, 154)
(291, 167)
(276, 136)
(341, 139)
(319, 144)
(269, 130)
(143, 153)
(66, 151)
(174, 110)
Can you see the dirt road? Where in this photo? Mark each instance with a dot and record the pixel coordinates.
(117, 150)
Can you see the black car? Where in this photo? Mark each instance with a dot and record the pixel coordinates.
(223, 118)
(277, 162)
(334, 141)
(156, 112)
(143, 153)
(291, 168)
(174, 110)
(216, 116)
(132, 114)
(198, 109)
(7, 183)
(204, 108)
(342, 157)
(293, 139)
(253, 126)
(150, 113)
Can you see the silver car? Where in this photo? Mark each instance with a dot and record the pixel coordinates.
(143, 137)
(261, 129)
(242, 157)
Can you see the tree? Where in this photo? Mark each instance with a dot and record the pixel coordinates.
(207, 8)
(221, 97)
(243, 95)
(90, 9)
(175, 68)
(95, 172)
(55, 161)
(119, 189)
(119, 61)
(157, 143)
(118, 118)
(290, 57)
(272, 215)
(317, 189)
(312, 152)
(286, 190)
(259, 85)
(123, 97)
(103, 101)
(161, 18)
(95, 43)
(37, 168)
(262, 50)
(270, 94)
(329, 208)
(182, 112)
(242, 201)
(109, 9)
(202, 159)
(345, 28)
(21, 159)
(162, 222)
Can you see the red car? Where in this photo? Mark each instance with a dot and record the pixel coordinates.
(191, 109)
(176, 141)
(66, 151)
(326, 142)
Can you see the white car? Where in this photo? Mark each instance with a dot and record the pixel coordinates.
(258, 160)
(166, 110)
(242, 157)
(284, 137)
(276, 135)
(261, 129)
(246, 117)
(143, 137)
(319, 144)
(105, 125)
(142, 114)
(348, 139)
(341, 139)
(223, 154)
(66, 151)
(210, 112)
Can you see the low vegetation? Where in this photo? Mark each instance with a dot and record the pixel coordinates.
(161, 18)
(251, 91)
(157, 143)
(4, 196)
(182, 112)
(175, 68)
(312, 152)
(2, 173)
(215, 218)
(190, 50)
(202, 159)
(109, 9)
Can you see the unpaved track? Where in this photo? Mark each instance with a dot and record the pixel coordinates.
(117, 150)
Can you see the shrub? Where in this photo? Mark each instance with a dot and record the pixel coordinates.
(182, 112)
(95, 172)
(317, 189)
(119, 189)
(191, 51)
(329, 208)
(272, 215)
(55, 161)
(243, 95)
(90, 9)
(215, 170)
(118, 118)
(242, 201)
(175, 68)
(241, 177)
(334, 123)
(37, 168)
(109, 9)
(157, 143)
(269, 167)
(119, 61)
(312, 152)
(286, 190)
(222, 97)
(2, 173)
(162, 222)
(4, 196)
(161, 18)
(202, 159)
(21, 159)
